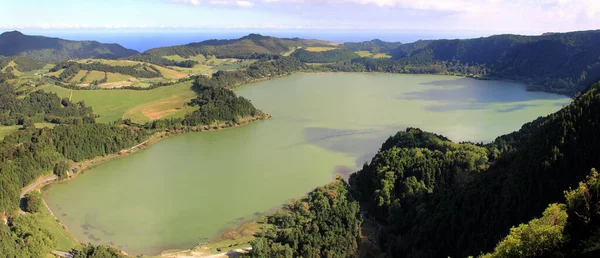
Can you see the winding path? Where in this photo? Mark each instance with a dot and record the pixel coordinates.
(37, 183)
(61, 254)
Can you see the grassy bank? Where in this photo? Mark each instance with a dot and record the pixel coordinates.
(63, 240)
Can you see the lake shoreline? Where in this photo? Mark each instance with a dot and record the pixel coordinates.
(305, 85)
(79, 167)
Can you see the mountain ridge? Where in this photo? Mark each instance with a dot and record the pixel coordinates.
(51, 49)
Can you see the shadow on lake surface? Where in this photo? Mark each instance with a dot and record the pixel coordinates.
(474, 106)
(474, 91)
(363, 144)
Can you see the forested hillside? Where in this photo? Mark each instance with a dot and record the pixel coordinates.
(55, 50)
(40, 106)
(373, 46)
(464, 201)
(558, 62)
(325, 223)
(569, 229)
(218, 104)
(245, 47)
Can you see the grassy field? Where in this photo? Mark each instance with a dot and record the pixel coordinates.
(175, 58)
(116, 77)
(57, 73)
(6, 130)
(77, 78)
(116, 80)
(369, 54)
(15, 71)
(382, 55)
(170, 73)
(140, 106)
(197, 69)
(213, 65)
(364, 53)
(289, 52)
(319, 49)
(232, 240)
(233, 64)
(198, 58)
(94, 76)
(63, 241)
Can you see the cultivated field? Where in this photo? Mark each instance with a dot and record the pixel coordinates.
(212, 65)
(140, 106)
(117, 80)
(197, 58)
(319, 49)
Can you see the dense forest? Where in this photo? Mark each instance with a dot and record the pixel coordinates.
(23, 63)
(415, 163)
(325, 223)
(260, 70)
(218, 104)
(558, 62)
(476, 195)
(40, 106)
(25, 237)
(568, 229)
(47, 49)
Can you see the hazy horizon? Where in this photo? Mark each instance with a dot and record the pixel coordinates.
(144, 39)
(473, 17)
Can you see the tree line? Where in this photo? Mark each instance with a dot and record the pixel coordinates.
(71, 68)
(40, 106)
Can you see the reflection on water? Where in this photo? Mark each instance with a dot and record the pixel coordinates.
(475, 91)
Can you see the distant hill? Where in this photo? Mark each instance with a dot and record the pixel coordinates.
(47, 49)
(251, 45)
(559, 62)
(373, 46)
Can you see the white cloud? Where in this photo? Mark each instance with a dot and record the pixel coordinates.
(498, 15)
(234, 3)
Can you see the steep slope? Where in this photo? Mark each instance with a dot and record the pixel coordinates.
(55, 50)
(430, 212)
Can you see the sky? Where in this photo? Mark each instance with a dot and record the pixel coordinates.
(471, 17)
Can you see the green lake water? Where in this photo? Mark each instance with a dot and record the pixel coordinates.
(190, 188)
